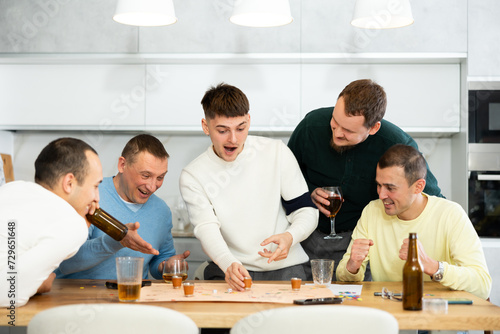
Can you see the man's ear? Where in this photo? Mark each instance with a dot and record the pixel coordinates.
(374, 129)
(204, 126)
(419, 185)
(68, 183)
(121, 164)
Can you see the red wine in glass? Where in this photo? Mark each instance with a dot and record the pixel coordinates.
(335, 198)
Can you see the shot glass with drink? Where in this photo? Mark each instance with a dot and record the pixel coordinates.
(176, 281)
(248, 283)
(296, 282)
(188, 289)
(129, 277)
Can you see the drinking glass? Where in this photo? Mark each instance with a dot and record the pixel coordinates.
(322, 271)
(175, 267)
(129, 277)
(335, 198)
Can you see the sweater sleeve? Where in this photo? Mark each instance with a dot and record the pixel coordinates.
(206, 223)
(304, 219)
(93, 251)
(467, 269)
(36, 264)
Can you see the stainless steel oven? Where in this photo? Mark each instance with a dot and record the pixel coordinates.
(484, 161)
(484, 189)
(484, 116)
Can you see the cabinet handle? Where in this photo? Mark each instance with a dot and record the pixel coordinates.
(488, 177)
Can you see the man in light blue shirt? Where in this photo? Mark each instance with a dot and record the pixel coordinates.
(129, 197)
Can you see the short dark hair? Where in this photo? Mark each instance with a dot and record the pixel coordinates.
(60, 157)
(144, 143)
(224, 100)
(407, 157)
(365, 98)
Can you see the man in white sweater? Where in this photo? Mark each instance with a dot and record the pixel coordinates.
(43, 223)
(246, 197)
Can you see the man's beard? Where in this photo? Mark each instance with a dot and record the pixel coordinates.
(340, 149)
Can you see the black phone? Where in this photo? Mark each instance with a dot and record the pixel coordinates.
(464, 301)
(315, 301)
(114, 284)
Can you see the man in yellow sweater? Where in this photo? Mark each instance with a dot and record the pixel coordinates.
(448, 245)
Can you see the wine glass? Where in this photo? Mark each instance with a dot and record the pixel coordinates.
(175, 267)
(335, 198)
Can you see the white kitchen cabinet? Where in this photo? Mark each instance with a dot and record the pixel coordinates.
(72, 96)
(165, 96)
(483, 32)
(273, 91)
(421, 97)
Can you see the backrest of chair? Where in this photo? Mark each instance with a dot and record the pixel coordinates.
(110, 319)
(318, 319)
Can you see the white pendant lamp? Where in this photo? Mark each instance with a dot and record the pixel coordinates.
(261, 13)
(382, 14)
(145, 13)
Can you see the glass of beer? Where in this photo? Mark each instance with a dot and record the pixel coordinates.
(129, 276)
(335, 199)
(176, 267)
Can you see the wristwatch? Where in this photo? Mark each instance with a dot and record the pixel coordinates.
(438, 275)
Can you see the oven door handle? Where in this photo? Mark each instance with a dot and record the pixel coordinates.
(488, 177)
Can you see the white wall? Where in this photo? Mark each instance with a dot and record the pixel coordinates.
(7, 142)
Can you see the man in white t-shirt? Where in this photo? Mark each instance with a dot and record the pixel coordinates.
(246, 197)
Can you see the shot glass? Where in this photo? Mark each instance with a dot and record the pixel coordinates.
(129, 277)
(188, 289)
(296, 282)
(248, 283)
(176, 281)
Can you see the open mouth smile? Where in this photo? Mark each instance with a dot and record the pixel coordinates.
(229, 149)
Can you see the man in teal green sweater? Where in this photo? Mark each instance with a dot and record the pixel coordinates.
(341, 147)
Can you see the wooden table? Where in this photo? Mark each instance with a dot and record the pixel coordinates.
(482, 315)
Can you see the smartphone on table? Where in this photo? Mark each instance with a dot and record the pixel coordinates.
(114, 284)
(316, 301)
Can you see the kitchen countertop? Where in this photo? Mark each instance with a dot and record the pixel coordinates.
(182, 233)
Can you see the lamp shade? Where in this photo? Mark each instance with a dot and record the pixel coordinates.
(261, 13)
(382, 14)
(146, 13)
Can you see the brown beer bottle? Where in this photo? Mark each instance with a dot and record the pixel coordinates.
(413, 277)
(108, 224)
